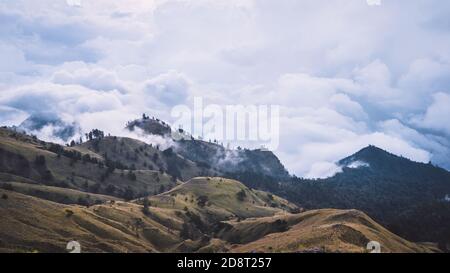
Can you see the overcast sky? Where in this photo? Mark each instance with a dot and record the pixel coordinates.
(346, 74)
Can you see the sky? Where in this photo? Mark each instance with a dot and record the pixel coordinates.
(345, 74)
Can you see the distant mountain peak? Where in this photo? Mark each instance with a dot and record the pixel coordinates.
(368, 155)
(61, 129)
(372, 149)
(153, 126)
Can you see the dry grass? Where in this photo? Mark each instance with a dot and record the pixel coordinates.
(326, 230)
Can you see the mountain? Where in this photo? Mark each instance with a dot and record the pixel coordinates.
(59, 128)
(407, 197)
(211, 155)
(109, 195)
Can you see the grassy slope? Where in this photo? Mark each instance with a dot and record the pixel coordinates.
(76, 175)
(222, 200)
(325, 230)
(141, 155)
(57, 194)
(32, 224)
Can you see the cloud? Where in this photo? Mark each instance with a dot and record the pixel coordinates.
(365, 75)
(437, 146)
(13, 59)
(44, 97)
(436, 115)
(11, 116)
(323, 170)
(96, 79)
(171, 88)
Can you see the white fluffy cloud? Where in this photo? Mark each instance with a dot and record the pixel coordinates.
(437, 114)
(364, 75)
(171, 88)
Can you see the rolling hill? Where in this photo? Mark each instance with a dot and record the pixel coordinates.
(118, 194)
(326, 230)
(226, 224)
(77, 168)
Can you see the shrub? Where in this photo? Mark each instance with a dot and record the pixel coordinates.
(202, 200)
(241, 195)
(185, 231)
(280, 225)
(131, 176)
(82, 202)
(69, 213)
(128, 194)
(110, 189)
(40, 160)
(295, 211)
(146, 204)
(47, 175)
(8, 187)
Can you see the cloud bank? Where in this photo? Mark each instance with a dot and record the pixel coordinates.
(345, 74)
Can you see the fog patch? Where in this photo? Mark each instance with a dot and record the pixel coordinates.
(164, 142)
(322, 170)
(357, 164)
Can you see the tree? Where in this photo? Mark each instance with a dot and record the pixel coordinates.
(185, 231)
(241, 195)
(128, 194)
(7, 187)
(40, 161)
(82, 202)
(155, 157)
(47, 175)
(132, 176)
(69, 213)
(110, 189)
(146, 204)
(168, 152)
(202, 200)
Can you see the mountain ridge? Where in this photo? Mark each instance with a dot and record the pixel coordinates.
(395, 191)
